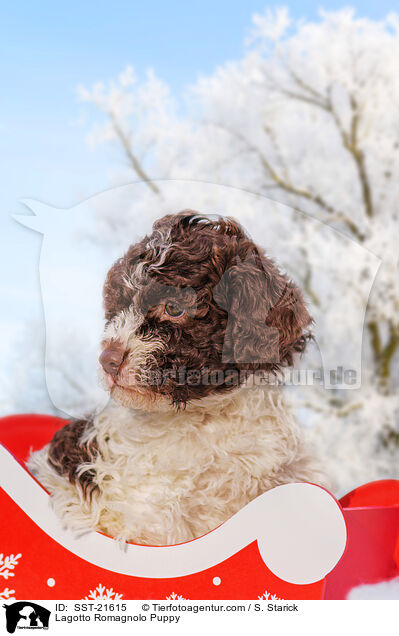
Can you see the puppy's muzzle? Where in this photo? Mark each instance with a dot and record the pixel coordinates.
(111, 359)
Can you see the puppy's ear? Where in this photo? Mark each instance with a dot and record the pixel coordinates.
(266, 312)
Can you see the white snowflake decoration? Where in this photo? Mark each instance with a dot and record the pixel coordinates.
(176, 597)
(8, 563)
(6, 594)
(102, 593)
(268, 596)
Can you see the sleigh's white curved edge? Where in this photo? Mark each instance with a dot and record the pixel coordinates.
(300, 530)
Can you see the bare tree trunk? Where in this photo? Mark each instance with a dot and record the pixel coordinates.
(383, 354)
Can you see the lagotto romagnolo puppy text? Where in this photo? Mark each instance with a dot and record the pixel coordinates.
(198, 320)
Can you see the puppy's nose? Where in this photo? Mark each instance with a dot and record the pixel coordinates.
(111, 359)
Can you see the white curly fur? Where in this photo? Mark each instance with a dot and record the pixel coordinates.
(168, 477)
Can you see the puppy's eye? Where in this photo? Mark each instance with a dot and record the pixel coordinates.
(174, 310)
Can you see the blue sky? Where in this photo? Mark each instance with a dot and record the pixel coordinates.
(47, 49)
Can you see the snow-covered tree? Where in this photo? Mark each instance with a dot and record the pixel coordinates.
(322, 128)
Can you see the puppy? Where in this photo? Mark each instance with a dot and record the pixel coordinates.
(198, 321)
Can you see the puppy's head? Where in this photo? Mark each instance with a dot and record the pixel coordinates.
(190, 308)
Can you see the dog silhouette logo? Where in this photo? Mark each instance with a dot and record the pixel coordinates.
(26, 615)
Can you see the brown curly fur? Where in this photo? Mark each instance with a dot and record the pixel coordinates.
(242, 313)
(67, 452)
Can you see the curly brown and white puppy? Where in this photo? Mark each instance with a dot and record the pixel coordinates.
(193, 431)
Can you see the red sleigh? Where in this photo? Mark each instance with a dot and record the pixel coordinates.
(294, 542)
